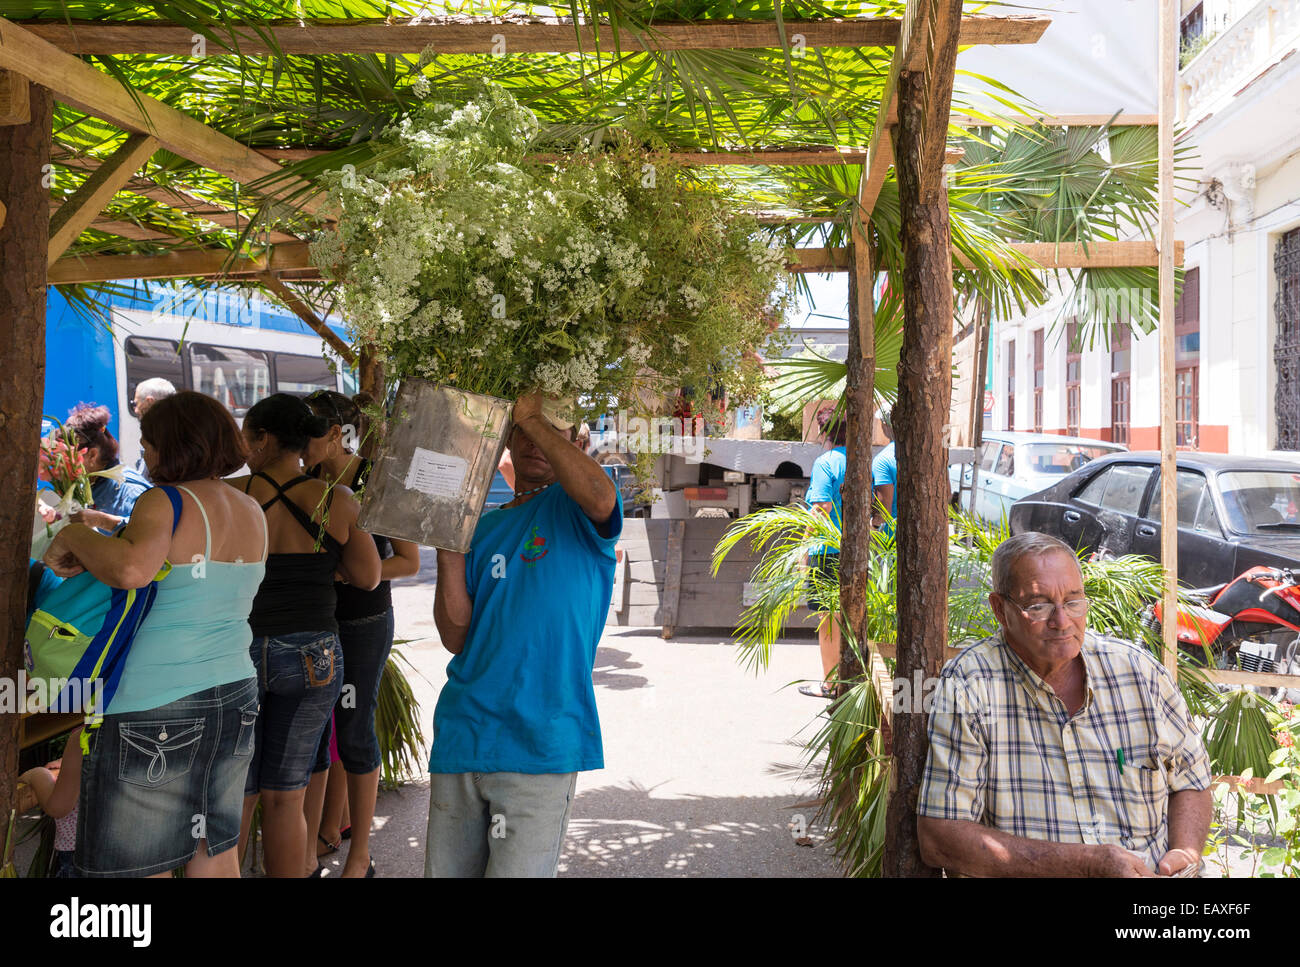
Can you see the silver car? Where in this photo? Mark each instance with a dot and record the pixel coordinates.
(1014, 465)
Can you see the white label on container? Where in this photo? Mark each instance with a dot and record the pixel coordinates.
(436, 474)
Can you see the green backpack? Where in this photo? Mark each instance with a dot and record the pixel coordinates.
(79, 633)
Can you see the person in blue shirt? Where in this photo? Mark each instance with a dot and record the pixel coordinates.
(114, 499)
(884, 478)
(522, 612)
(825, 483)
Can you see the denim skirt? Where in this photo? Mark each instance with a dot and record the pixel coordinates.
(158, 781)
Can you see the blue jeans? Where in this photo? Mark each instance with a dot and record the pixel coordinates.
(366, 644)
(497, 824)
(299, 677)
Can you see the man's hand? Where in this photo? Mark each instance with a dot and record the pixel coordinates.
(527, 408)
(1175, 860)
(1117, 861)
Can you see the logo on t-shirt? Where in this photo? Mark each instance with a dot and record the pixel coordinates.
(534, 549)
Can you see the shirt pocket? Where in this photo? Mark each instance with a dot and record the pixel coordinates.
(1145, 798)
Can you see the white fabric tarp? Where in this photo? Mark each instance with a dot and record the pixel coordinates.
(1096, 57)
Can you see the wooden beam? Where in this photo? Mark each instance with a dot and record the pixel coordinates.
(293, 257)
(774, 157)
(299, 308)
(75, 215)
(509, 36)
(1231, 676)
(15, 98)
(1139, 254)
(77, 84)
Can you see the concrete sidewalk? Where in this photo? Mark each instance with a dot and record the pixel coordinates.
(702, 759)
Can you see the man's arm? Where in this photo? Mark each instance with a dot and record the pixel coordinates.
(966, 847)
(884, 502)
(579, 475)
(1190, 812)
(452, 605)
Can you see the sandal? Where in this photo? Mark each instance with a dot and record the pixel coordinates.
(821, 690)
(345, 833)
(329, 847)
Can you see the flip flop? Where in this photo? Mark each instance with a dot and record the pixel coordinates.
(819, 690)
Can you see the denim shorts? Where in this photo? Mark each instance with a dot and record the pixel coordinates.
(366, 644)
(158, 781)
(827, 568)
(299, 677)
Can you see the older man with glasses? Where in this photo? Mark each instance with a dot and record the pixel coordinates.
(1055, 751)
(147, 393)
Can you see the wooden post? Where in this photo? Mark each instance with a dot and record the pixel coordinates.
(24, 242)
(673, 577)
(1168, 439)
(924, 395)
(855, 539)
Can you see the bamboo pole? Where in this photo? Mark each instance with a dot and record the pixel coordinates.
(1168, 53)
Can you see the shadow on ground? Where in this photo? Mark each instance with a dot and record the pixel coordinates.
(740, 836)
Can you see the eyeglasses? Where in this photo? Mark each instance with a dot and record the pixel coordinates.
(1075, 608)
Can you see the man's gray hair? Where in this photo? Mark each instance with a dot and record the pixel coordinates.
(1024, 545)
(156, 388)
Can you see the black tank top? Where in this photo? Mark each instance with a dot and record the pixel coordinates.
(297, 593)
(352, 601)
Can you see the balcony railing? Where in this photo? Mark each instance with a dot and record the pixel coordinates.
(1246, 37)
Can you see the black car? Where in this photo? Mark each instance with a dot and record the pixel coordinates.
(1233, 512)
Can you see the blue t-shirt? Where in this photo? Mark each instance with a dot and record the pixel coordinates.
(884, 473)
(825, 483)
(116, 498)
(519, 696)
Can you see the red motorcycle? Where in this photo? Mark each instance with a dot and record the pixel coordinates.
(1252, 623)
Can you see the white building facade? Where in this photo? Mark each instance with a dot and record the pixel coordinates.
(1238, 319)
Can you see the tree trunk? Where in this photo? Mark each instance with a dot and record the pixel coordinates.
(855, 541)
(24, 247)
(924, 401)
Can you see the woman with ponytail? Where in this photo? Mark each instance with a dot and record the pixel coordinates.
(313, 536)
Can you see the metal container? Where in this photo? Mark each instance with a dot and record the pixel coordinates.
(435, 465)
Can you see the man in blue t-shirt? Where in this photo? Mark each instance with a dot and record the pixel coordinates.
(522, 612)
(825, 484)
(884, 478)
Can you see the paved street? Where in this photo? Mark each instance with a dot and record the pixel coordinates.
(702, 759)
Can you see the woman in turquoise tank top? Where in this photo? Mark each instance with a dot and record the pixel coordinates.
(162, 785)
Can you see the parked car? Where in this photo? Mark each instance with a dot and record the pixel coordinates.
(1233, 512)
(1014, 465)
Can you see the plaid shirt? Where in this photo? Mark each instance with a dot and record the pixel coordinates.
(1005, 753)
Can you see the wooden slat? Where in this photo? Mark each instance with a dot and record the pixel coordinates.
(1255, 784)
(776, 157)
(304, 312)
(76, 214)
(673, 577)
(451, 37)
(15, 98)
(293, 257)
(79, 85)
(1167, 89)
(1233, 677)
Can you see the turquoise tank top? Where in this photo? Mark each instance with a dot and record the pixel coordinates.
(197, 635)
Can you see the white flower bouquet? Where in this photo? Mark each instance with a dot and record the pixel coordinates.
(601, 277)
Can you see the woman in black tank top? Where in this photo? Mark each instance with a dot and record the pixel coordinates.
(296, 648)
(366, 625)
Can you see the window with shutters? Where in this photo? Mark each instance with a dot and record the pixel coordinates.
(1286, 350)
(1038, 380)
(1011, 385)
(1187, 359)
(1121, 352)
(1073, 368)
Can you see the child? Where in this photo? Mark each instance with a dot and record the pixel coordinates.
(57, 786)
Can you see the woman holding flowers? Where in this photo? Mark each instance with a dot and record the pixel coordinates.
(115, 488)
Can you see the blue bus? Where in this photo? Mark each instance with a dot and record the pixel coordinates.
(231, 345)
